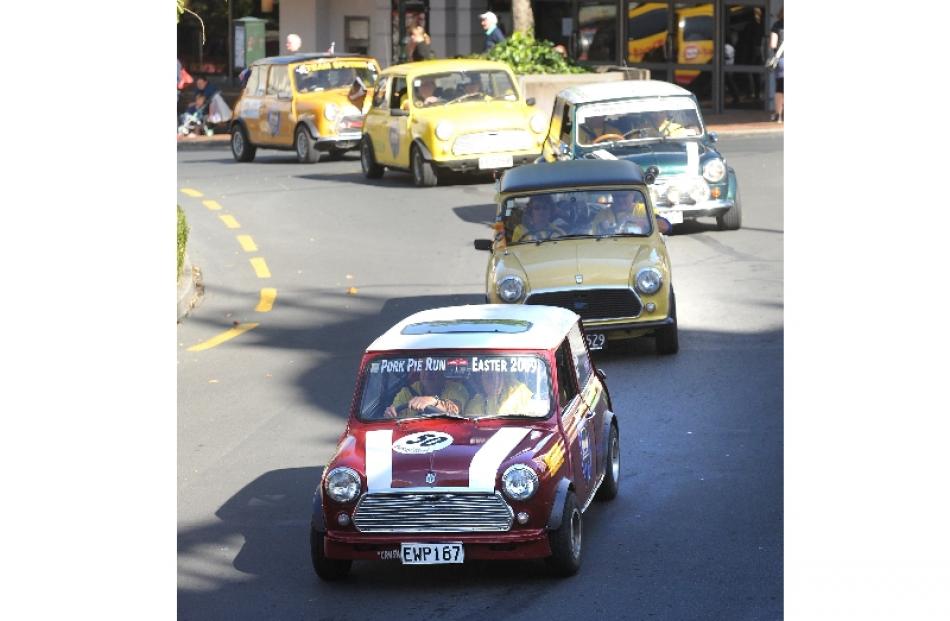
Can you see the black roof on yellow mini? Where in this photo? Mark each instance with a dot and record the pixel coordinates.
(297, 58)
(572, 173)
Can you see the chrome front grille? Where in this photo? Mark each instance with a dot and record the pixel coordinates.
(503, 140)
(350, 123)
(592, 303)
(432, 513)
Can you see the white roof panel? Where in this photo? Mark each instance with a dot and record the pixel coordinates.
(479, 326)
(619, 90)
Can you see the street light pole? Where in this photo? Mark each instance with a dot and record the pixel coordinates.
(230, 44)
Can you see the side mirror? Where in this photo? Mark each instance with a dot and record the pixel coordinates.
(530, 101)
(663, 225)
(602, 375)
(483, 244)
(397, 112)
(713, 136)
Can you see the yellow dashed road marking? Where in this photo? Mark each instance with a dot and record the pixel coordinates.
(247, 243)
(230, 222)
(260, 267)
(212, 205)
(192, 193)
(224, 336)
(268, 296)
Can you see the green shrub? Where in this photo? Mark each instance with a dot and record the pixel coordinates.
(182, 238)
(525, 54)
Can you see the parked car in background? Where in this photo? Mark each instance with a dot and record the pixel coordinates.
(308, 103)
(466, 116)
(582, 235)
(475, 432)
(656, 125)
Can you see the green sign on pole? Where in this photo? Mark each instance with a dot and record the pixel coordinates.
(248, 40)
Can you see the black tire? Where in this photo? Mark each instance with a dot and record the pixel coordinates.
(241, 147)
(611, 485)
(566, 542)
(303, 145)
(329, 569)
(668, 339)
(732, 219)
(371, 169)
(423, 172)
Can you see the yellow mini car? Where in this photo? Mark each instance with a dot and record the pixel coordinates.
(461, 115)
(309, 103)
(582, 235)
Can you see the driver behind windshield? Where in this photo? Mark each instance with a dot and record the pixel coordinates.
(596, 129)
(537, 222)
(431, 390)
(499, 394)
(625, 215)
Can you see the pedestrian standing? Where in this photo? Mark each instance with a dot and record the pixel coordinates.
(420, 44)
(729, 55)
(777, 46)
(493, 36)
(293, 43)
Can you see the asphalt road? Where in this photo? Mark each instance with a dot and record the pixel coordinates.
(696, 532)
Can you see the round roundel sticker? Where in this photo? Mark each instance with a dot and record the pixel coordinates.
(423, 442)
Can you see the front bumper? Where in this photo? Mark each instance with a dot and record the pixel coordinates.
(626, 328)
(345, 141)
(714, 207)
(521, 544)
(471, 164)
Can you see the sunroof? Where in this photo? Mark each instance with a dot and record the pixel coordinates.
(469, 326)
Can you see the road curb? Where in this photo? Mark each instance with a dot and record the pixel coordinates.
(201, 145)
(190, 289)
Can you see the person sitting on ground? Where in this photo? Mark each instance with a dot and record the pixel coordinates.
(625, 215)
(537, 222)
(425, 93)
(432, 390)
(193, 120)
(500, 394)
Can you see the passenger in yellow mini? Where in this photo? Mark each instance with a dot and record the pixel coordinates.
(625, 215)
(500, 394)
(432, 390)
(536, 224)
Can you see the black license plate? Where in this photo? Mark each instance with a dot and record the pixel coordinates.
(596, 341)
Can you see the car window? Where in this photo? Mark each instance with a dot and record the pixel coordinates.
(628, 121)
(582, 364)
(598, 212)
(381, 93)
(460, 87)
(566, 380)
(261, 83)
(464, 384)
(253, 82)
(398, 94)
(273, 80)
(314, 77)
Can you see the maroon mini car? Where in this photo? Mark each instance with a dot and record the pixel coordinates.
(476, 432)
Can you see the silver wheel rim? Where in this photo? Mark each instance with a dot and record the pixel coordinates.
(301, 145)
(237, 141)
(576, 534)
(615, 457)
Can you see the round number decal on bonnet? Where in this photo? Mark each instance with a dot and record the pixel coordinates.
(423, 442)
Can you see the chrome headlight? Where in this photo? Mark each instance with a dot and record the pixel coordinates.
(343, 485)
(714, 170)
(330, 111)
(510, 289)
(538, 123)
(699, 192)
(519, 482)
(443, 131)
(649, 280)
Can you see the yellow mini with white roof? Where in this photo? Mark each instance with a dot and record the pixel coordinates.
(466, 116)
(308, 103)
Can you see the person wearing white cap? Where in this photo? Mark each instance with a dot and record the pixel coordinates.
(493, 36)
